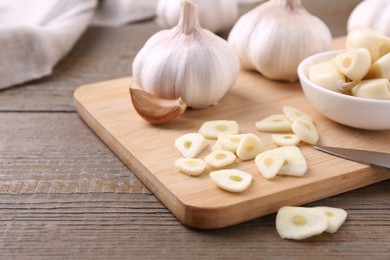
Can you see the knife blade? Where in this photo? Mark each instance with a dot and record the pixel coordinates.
(371, 158)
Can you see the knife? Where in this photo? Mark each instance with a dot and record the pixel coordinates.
(371, 158)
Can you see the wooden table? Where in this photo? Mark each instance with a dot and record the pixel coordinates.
(65, 195)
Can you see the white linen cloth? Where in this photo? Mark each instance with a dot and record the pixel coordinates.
(36, 34)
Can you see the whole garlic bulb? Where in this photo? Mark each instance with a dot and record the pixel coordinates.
(214, 15)
(374, 14)
(188, 62)
(276, 36)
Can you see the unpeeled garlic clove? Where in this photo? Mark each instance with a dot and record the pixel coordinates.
(154, 109)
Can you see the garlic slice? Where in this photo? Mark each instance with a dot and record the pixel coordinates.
(211, 129)
(270, 162)
(295, 164)
(190, 145)
(249, 146)
(220, 158)
(354, 63)
(300, 222)
(305, 130)
(231, 180)
(336, 217)
(191, 167)
(230, 142)
(373, 89)
(277, 123)
(154, 109)
(285, 139)
(293, 113)
(327, 75)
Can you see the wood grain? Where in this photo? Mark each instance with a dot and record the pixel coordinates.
(149, 151)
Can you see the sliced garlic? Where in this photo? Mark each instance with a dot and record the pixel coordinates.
(191, 167)
(211, 129)
(336, 217)
(154, 109)
(190, 145)
(373, 89)
(363, 37)
(231, 180)
(285, 139)
(229, 142)
(300, 222)
(327, 75)
(220, 158)
(293, 113)
(305, 130)
(380, 69)
(295, 163)
(216, 146)
(354, 63)
(249, 146)
(270, 162)
(277, 123)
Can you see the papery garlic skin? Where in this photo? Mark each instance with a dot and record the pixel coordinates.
(214, 15)
(276, 36)
(374, 14)
(188, 62)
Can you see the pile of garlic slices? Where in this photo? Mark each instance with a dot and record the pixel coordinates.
(363, 70)
(230, 145)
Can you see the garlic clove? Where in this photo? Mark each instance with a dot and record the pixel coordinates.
(373, 89)
(336, 217)
(354, 63)
(327, 75)
(300, 222)
(154, 109)
(231, 180)
(380, 69)
(295, 163)
(362, 37)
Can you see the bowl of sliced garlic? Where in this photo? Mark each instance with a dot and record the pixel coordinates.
(340, 105)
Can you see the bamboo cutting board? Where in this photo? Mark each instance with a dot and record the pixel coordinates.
(149, 151)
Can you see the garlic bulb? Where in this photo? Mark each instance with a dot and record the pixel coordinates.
(188, 62)
(276, 36)
(214, 15)
(374, 14)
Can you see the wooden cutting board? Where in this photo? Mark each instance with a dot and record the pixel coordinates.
(148, 150)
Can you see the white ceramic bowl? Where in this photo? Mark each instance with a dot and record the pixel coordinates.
(347, 110)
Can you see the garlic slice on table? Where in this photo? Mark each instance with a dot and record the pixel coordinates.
(305, 130)
(249, 146)
(295, 163)
(220, 158)
(211, 129)
(285, 139)
(276, 36)
(336, 217)
(231, 180)
(277, 123)
(270, 162)
(187, 61)
(300, 222)
(190, 166)
(214, 15)
(191, 144)
(229, 142)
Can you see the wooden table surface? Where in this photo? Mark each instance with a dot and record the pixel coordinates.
(65, 195)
